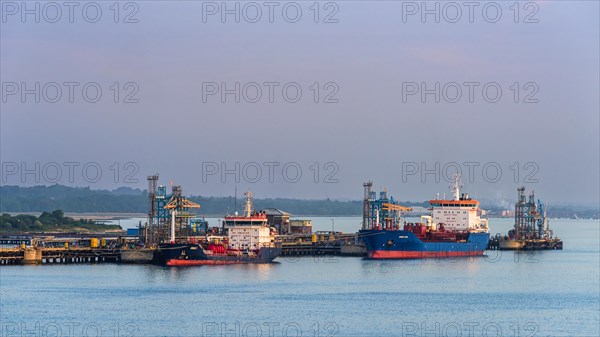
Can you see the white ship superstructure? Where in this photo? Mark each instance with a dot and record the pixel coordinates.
(462, 213)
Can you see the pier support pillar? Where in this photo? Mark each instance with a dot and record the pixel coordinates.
(32, 256)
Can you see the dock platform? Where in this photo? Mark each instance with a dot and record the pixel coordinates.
(30, 255)
(511, 244)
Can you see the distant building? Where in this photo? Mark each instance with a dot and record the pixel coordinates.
(507, 213)
(278, 219)
(300, 226)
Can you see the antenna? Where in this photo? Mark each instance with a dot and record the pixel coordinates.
(235, 201)
(546, 221)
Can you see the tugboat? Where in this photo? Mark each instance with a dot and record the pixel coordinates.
(248, 240)
(455, 228)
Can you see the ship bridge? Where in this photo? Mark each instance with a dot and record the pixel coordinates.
(454, 203)
(460, 213)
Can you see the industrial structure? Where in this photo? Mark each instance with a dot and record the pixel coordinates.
(278, 219)
(531, 230)
(281, 221)
(170, 217)
(380, 213)
(530, 218)
(300, 226)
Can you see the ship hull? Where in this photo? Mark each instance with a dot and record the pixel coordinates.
(193, 255)
(401, 244)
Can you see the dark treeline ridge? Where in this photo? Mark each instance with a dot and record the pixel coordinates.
(54, 221)
(128, 200)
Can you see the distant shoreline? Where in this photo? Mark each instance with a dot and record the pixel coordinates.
(91, 215)
(117, 216)
(126, 203)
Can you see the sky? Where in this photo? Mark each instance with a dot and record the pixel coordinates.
(304, 101)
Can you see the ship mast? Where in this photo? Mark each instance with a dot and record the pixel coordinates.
(248, 204)
(173, 212)
(456, 187)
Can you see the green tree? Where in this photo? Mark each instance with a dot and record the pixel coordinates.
(58, 215)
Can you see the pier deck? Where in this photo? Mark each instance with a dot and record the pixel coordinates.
(31, 255)
(342, 245)
(511, 244)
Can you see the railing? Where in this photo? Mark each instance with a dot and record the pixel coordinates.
(6, 249)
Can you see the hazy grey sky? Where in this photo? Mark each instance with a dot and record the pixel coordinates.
(373, 56)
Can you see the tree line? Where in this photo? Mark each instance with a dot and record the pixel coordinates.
(54, 221)
(129, 200)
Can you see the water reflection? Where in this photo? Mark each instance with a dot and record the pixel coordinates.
(470, 264)
(154, 274)
(311, 290)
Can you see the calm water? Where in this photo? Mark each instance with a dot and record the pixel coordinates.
(554, 293)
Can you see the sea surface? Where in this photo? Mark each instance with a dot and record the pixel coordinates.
(550, 293)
